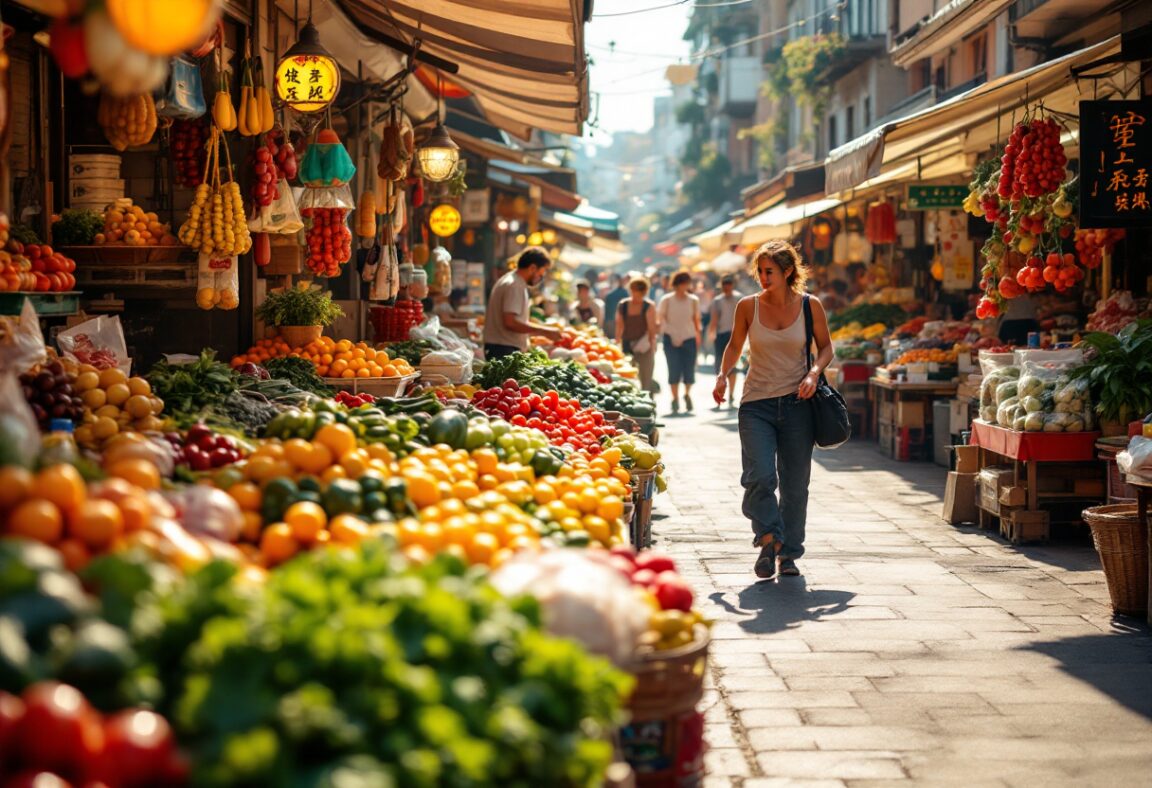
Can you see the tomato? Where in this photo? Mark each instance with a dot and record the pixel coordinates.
(32, 778)
(138, 748)
(11, 711)
(60, 731)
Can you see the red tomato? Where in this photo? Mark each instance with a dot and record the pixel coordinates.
(31, 778)
(138, 748)
(11, 711)
(59, 730)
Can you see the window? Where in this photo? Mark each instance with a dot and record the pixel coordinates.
(867, 112)
(850, 123)
(832, 137)
(978, 53)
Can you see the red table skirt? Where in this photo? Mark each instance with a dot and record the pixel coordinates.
(1037, 446)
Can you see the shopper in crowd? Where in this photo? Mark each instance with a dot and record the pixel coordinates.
(636, 330)
(834, 296)
(506, 323)
(723, 312)
(1018, 321)
(612, 300)
(587, 308)
(705, 292)
(776, 421)
(679, 318)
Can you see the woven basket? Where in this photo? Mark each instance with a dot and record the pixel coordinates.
(1122, 542)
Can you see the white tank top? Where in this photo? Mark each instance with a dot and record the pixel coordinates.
(778, 360)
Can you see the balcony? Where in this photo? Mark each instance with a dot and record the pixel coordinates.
(1047, 19)
(739, 85)
(863, 36)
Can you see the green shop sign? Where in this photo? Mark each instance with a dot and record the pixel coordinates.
(923, 197)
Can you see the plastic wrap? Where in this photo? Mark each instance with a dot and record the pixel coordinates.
(217, 282)
(99, 342)
(22, 341)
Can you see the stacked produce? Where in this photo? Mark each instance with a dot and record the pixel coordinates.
(867, 315)
(1030, 402)
(565, 422)
(129, 224)
(926, 357)
(216, 224)
(35, 267)
(1117, 311)
(51, 392)
(333, 358)
(857, 331)
(114, 402)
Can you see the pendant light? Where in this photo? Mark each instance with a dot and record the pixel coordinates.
(439, 154)
(307, 76)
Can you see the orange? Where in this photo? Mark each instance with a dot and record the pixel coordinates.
(338, 438)
(277, 544)
(347, 530)
(96, 523)
(253, 524)
(15, 485)
(37, 519)
(137, 471)
(316, 458)
(137, 514)
(247, 496)
(333, 472)
(486, 460)
(423, 489)
(74, 553)
(482, 548)
(60, 484)
(306, 519)
(465, 489)
(261, 468)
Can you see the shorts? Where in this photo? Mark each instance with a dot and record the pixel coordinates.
(722, 339)
(681, 362)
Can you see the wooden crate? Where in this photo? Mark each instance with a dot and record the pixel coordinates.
(1020, 525)
(120, 254)
(159, 275)
(377, 387)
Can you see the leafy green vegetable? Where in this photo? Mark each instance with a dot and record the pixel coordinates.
(1117, 369)
(77, 227)
(303, 305)
(867, 314)
(187, 389)
(300, 372)
(411, 350)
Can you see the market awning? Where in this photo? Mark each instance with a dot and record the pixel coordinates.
(963, 123)
(498, 151)
(716, 239)
(950, 24)
(728, 262)
(594, 256)
(775, 224)
(524, 62)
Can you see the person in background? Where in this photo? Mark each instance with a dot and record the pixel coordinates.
(678, 316)
(1018, 321)
(834, 297)
(636, 330)
(587, 308)
(723, 312)
(777, 428)
(506, 323)
(612, 301)
(705, 292)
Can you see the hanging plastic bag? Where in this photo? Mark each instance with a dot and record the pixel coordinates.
(21, 341)
(183, 95)
(281, 217)
(98, 342)
(217, 282)
(386, 282)
(19, 433)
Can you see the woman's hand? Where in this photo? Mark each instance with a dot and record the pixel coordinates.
(808, 386)
(719, 389)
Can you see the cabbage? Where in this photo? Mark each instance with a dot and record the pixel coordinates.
(1005, 391)
(1034, 422)
(1030, 385)
(988, 414)
(1032, 404)
(1019, 422)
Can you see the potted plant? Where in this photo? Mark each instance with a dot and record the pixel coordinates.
(299, 313)
(1117, 368)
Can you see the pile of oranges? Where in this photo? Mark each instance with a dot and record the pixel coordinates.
(132, 225)
(332, 358)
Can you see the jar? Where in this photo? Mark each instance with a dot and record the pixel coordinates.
(418, 287)
(406, 270)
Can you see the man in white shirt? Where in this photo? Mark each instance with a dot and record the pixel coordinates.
(506, 323)
(723, 313)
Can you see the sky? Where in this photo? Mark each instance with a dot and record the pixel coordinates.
(628, 78)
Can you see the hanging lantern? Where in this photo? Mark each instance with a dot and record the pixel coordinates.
(307, 77)
(438, 155)
(444, 220)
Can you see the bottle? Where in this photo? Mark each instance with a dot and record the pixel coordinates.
(59, 445)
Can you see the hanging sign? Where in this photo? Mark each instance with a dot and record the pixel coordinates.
(1115, 160)
(932, 197)
(444, 220)
(307, 83)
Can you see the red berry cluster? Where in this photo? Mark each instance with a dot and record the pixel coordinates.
(564, 421)
(1059, 270)
(265, 176)
(329, 240)
(350, 400)
(987, 307)
(188, 138)
(1092, 244)
(1033, 161)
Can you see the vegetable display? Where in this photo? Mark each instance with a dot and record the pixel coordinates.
(189, 388)
(77, 227)
(1035, 400)
(329, 239)
(867, 314)
(540, 374)
(300, 372)
(565, 422)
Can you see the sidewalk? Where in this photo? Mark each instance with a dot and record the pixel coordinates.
(910, 651)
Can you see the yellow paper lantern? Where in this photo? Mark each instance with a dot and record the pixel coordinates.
(444, 220)
(307, 77)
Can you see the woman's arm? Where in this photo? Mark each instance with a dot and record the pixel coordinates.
(740, 322)
(653, 328)
(621, 311)
(696, 321)
(824, 350)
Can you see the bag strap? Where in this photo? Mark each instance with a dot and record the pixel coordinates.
(808, 329)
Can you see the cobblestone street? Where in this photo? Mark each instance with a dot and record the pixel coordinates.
(909, 650)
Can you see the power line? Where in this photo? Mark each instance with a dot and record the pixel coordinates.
(641, 10)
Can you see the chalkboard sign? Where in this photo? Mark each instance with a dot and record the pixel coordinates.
(930, 197)
(1115, 163)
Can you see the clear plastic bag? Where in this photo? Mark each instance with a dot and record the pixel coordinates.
(19, 433)
(99, 342)
(21, 341)
(280, 217)
(218, 283)
(455, 366)
(1137, 458)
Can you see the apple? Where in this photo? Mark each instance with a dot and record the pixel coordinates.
(672, 592)
(657, 562)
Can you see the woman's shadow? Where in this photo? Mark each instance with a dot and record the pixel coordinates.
(783, 603)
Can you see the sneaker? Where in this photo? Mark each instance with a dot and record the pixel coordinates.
(687, 403)
(675, 406)
(765, 567)
(788, 567)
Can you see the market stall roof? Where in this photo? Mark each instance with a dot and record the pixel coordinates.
(716, 239)
(949, 127)
(728, 262)
(776, 223)
(497, 151)
(594, 256)
(524, 62)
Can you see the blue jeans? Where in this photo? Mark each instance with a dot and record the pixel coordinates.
(776, 440)
(681, 361)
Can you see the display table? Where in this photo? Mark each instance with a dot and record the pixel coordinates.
(1053, 466)
(1143, 485)
(902, 415)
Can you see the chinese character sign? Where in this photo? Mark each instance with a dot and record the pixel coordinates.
(307, 83)
(1115, 161)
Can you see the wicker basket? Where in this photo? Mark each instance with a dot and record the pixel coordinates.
(1121, 539)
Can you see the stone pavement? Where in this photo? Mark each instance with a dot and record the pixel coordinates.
(910, 651)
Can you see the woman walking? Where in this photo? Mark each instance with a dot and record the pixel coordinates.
(679, 319)
(636, 330)
(776, 423)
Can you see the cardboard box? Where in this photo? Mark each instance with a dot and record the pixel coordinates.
(1089, 488)
(967, 459)
(1020, 526)
(960, 498)
(958, 420)
(1013, 497)
(910, 415)
(992, 482)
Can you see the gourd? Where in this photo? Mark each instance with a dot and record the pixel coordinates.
(264, 99)
(223, 113)
(366, 215)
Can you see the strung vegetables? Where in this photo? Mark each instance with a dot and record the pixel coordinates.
(216, 223)
(127, 122)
